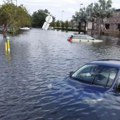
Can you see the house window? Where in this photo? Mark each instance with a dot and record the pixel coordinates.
(107, 26)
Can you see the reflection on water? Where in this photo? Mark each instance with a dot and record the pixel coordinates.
(8, 56)
(32, 84)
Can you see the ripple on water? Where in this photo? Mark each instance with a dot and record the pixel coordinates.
(32, 85)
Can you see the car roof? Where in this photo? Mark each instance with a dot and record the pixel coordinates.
(81, 35)
(107, 62)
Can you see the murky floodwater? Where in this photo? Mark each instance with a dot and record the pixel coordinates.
(32, 78)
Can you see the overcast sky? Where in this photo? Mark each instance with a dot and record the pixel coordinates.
(61, 9)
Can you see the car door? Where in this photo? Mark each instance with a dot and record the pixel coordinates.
(109, 107)
(84, 38)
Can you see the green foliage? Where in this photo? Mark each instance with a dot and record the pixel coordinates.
(81, 16)
(38, 18)
(23, 17)
(14, 16)
(95, 11)
(57, 23)
(62, 25)
(52, 24)
(66, 24)
(102, 9)
(99, 11)
(7, 13)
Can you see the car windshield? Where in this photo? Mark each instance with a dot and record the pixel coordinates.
(89, 37)
(79, 37)
(96, 74)
(83, 37)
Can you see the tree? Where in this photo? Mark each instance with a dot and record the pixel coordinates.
(81, 17)
(91, 15)
(99, 11)
(57, 23)
(66, 24)
(38, 18)
(96, 12)
(14, 16)
(52, 24)
(103, 9)
(23, 17)
(62, 25)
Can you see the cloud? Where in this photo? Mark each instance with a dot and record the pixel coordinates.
(57, 6)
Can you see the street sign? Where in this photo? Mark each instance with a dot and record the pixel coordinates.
(49, 19)
(46, 24)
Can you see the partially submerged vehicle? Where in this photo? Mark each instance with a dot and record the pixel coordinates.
(82, 38)
(98, 86)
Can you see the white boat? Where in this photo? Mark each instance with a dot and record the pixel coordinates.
(25, 28)
(82, 38)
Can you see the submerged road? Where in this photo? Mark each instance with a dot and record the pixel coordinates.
(32, 78)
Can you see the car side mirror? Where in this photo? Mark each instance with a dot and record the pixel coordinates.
(71, 73)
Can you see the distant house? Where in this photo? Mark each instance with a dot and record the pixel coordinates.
(112, 24)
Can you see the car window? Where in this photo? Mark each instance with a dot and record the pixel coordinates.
(89, 37)
(97, 75)
(79, 37)
(112, 76)
(86, 73)
(101, 77)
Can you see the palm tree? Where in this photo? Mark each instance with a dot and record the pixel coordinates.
(101, 10)
(81, 18)
(91, 15)
(95, 12)
(106, 11)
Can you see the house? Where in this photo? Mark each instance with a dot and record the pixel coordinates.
(112, 24)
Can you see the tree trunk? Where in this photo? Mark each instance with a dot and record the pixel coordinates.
(4, 30)
(85, 28)
(92, 30)
(79, 27)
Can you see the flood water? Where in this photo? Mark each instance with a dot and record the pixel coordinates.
(32, 77)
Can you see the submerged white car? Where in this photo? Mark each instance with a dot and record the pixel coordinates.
(82, 38)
